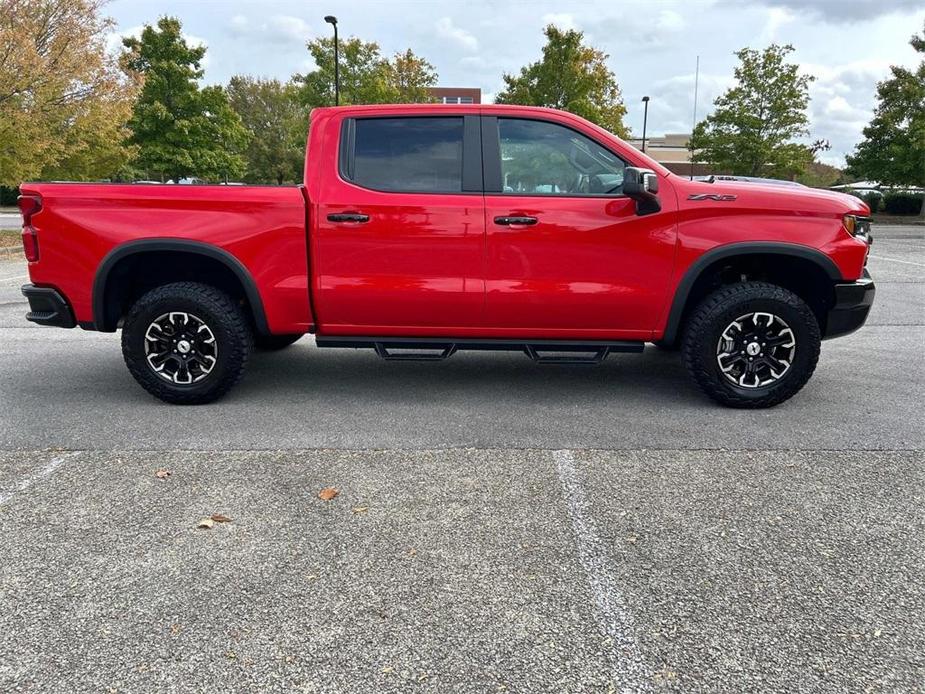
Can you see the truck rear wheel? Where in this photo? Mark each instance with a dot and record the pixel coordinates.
(186, 343)
(751, 345)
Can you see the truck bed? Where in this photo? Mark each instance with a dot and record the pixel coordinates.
(261, 227)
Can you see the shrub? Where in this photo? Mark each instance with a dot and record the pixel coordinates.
(873, 202)
(902, 203)
(8, 196)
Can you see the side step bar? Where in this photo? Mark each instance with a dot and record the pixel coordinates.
(439, 348)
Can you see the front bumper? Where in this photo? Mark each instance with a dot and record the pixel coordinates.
(48, 306)
(852, 304)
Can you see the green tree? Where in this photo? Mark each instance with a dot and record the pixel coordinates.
(179, 128)
(63, 101)
(752, 129)
(570, 76)
(410, 77)
(277, 122)
(366, 77)
(893, 150)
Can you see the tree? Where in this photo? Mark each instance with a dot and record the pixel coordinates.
(752, 128)
(411, 77)
(277, 122)
(180, 130)
(63, 101)
(893, 150)
(570, 76)
(365, 76)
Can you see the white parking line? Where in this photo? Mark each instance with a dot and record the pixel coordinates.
(897, 260)
(628, 669)
(10, 279)
(38, 475)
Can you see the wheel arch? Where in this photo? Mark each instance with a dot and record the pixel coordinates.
(107, 308)
(707, 264)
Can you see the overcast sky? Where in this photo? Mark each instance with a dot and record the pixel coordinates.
(846, 44)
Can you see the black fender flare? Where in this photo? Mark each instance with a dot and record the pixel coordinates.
(131, 248)
(794, 250)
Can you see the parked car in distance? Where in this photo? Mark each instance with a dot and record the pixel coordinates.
(421, 230)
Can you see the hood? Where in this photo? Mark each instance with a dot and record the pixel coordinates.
(770, 196)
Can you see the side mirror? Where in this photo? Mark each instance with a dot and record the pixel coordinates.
(642, 186)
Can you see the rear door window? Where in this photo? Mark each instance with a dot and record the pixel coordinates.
(408, 155)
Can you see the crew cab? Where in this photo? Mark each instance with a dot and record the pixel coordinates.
(421, 230)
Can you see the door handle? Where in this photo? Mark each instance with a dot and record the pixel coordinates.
(508, 221)
(348, 217)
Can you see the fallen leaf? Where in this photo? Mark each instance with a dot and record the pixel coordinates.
(412, 551)
(360, 509)
(312, 577)
(220, 518)
(327, 493)
(162, 473)
(877, 633)
(387, 669)
(631, 540)
(206, 524)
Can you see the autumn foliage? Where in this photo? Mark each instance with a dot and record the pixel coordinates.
(64, 102)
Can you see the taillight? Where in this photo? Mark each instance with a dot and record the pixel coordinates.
(28, 206)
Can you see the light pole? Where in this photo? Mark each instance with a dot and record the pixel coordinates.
(645, 118)
(332, 20)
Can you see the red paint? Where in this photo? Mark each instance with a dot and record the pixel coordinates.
(437, 265)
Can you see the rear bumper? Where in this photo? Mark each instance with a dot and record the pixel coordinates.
(852, 304)
(48, 306)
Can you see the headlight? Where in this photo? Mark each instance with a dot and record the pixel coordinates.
(858, 227)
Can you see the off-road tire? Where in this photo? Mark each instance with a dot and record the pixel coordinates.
(272, 343)
(225, 319)
(710, 318)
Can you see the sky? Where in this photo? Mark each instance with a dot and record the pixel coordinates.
(847, 45)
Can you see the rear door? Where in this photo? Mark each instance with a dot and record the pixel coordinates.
(567, 255)
(401, 228)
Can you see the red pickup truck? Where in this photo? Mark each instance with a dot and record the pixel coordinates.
(425, 229)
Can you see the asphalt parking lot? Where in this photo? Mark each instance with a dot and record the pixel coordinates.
(500, 526)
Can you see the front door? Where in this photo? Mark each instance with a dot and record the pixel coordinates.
(567, 256)
(400, 229)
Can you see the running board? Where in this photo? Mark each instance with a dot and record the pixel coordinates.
(437, 349)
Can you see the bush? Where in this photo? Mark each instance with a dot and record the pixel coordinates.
(8, 196)
(902, 203)
(873, 202)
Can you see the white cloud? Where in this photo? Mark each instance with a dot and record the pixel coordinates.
(562, 20)
(278, 29)
(462, 38)
(842, 101)
(778, 17)
(291, 29)
(669, 20)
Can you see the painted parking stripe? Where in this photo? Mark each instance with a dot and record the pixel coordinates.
(897, 260)
(37, 476)
(627, 667)
(11, 279)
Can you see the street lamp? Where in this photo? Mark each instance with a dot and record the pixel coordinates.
(332, 20)
(645, 118)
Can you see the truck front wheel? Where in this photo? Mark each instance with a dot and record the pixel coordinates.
(186, 343)
(751, 345)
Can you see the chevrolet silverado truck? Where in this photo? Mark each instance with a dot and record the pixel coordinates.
(420, 230)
